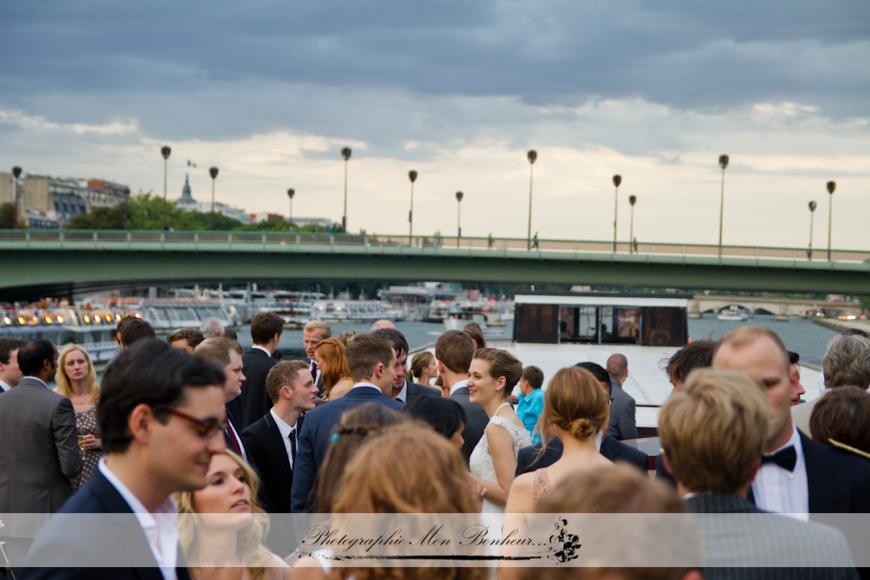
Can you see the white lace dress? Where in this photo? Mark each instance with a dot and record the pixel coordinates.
(481, 461)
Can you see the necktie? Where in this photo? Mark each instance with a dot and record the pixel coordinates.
(785, 458)
(314, 371)
(234, 441)
(292, 438)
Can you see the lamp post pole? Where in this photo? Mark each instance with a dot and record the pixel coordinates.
(214, 173)
(16, 173)
(831, 185)
(290, 193)
(812, 207)
(617, 179)
(165, 151)
(632, 199)
(412, 175)
(345, 154)
(723, 163)
(459, 196)
(532, 156)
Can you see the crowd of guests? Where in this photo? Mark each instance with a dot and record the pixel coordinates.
(196, 425)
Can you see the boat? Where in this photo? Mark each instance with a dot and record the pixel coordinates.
(462, 313)
(416, 300)
(735, 313)
(354, 311)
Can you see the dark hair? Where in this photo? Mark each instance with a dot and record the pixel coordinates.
(230, 333)
(33, 354)
(135, 329)
(265, 326)
(354, 428)
(192, 335)
(598, 371)
(151, 373)
(396, 338)
(475, 333)
(534, 375)
(7, 345)
(698, 354)
(843, 414)
(502, 364)
(364, 351)
(455, 350)
(446, 416)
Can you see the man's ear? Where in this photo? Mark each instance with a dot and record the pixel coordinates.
(440, 366)
(140, 422)
(378, 370)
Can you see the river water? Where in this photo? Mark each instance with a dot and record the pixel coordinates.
(799, 334)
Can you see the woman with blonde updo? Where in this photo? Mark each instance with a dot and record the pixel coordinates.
(576, 410)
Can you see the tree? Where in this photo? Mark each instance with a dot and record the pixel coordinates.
(9, 217)
(101, 218)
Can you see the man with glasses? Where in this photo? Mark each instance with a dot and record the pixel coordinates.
(162, 417)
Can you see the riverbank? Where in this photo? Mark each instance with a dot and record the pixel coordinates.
(843, 325)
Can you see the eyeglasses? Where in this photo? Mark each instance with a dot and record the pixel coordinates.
(205, 428)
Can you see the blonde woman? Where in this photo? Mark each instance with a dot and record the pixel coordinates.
(76, 380)
(221, 527)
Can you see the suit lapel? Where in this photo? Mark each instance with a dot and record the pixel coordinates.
(278, 448)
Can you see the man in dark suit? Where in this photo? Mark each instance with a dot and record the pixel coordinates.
(797, 475)
(161, 414)
(10, 373)
(372, 363)
(528, 458)
(41, 456)
(272, 444)
(266, 329)
(721, 413)
(454, 351)
(623, 422)
(227, 354)
(404, 390)
(315, 332)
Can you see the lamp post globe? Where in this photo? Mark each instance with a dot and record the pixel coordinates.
(723, 161)
(16, 172)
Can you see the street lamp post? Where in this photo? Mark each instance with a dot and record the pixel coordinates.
(16, 173)
(632, 199)
(214, 173)
(812, 206)
(165, 151)
(723, 163)
(412, 175)
(832, 185)
(345, 154)
(290, 193)
(459, 196)
(617, 179)
(532, 156)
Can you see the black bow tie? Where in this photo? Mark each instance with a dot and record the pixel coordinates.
(785, 458)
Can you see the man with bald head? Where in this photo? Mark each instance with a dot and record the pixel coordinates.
(797, 476)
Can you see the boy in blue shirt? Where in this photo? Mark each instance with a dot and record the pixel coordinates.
(531, 400)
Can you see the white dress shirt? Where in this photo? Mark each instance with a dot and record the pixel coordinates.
(257, 346)
(365, 384)
(778, 490)
(285, 431)
(460, 385)
(159, 526)
(5, 386)
(238, 439)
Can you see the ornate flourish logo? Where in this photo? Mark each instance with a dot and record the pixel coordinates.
(563, 544)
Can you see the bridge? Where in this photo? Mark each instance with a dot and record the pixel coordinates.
(779, 307)
(55, 262)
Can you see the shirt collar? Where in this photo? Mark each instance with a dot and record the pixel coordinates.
(283, 427)
(367, 385)
(403, 394)
(37, 379)
(258, 347)
(459, 385)
(5, 386)
(146, 518)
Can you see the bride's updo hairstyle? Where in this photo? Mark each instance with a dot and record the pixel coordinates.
(502, 364)
(576, 403)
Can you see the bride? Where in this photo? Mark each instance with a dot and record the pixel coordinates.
(492, 377)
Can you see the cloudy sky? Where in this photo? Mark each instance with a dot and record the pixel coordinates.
(271, 90)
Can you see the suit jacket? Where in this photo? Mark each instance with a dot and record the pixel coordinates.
(118, 537)
(838, 481)
(622, 414)
(229, 441)
(476, 421)
(268, 455)
(528, 460)
(41, 456)
(254, 401)
(314, 439)
(731, 545)
(416, 390)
